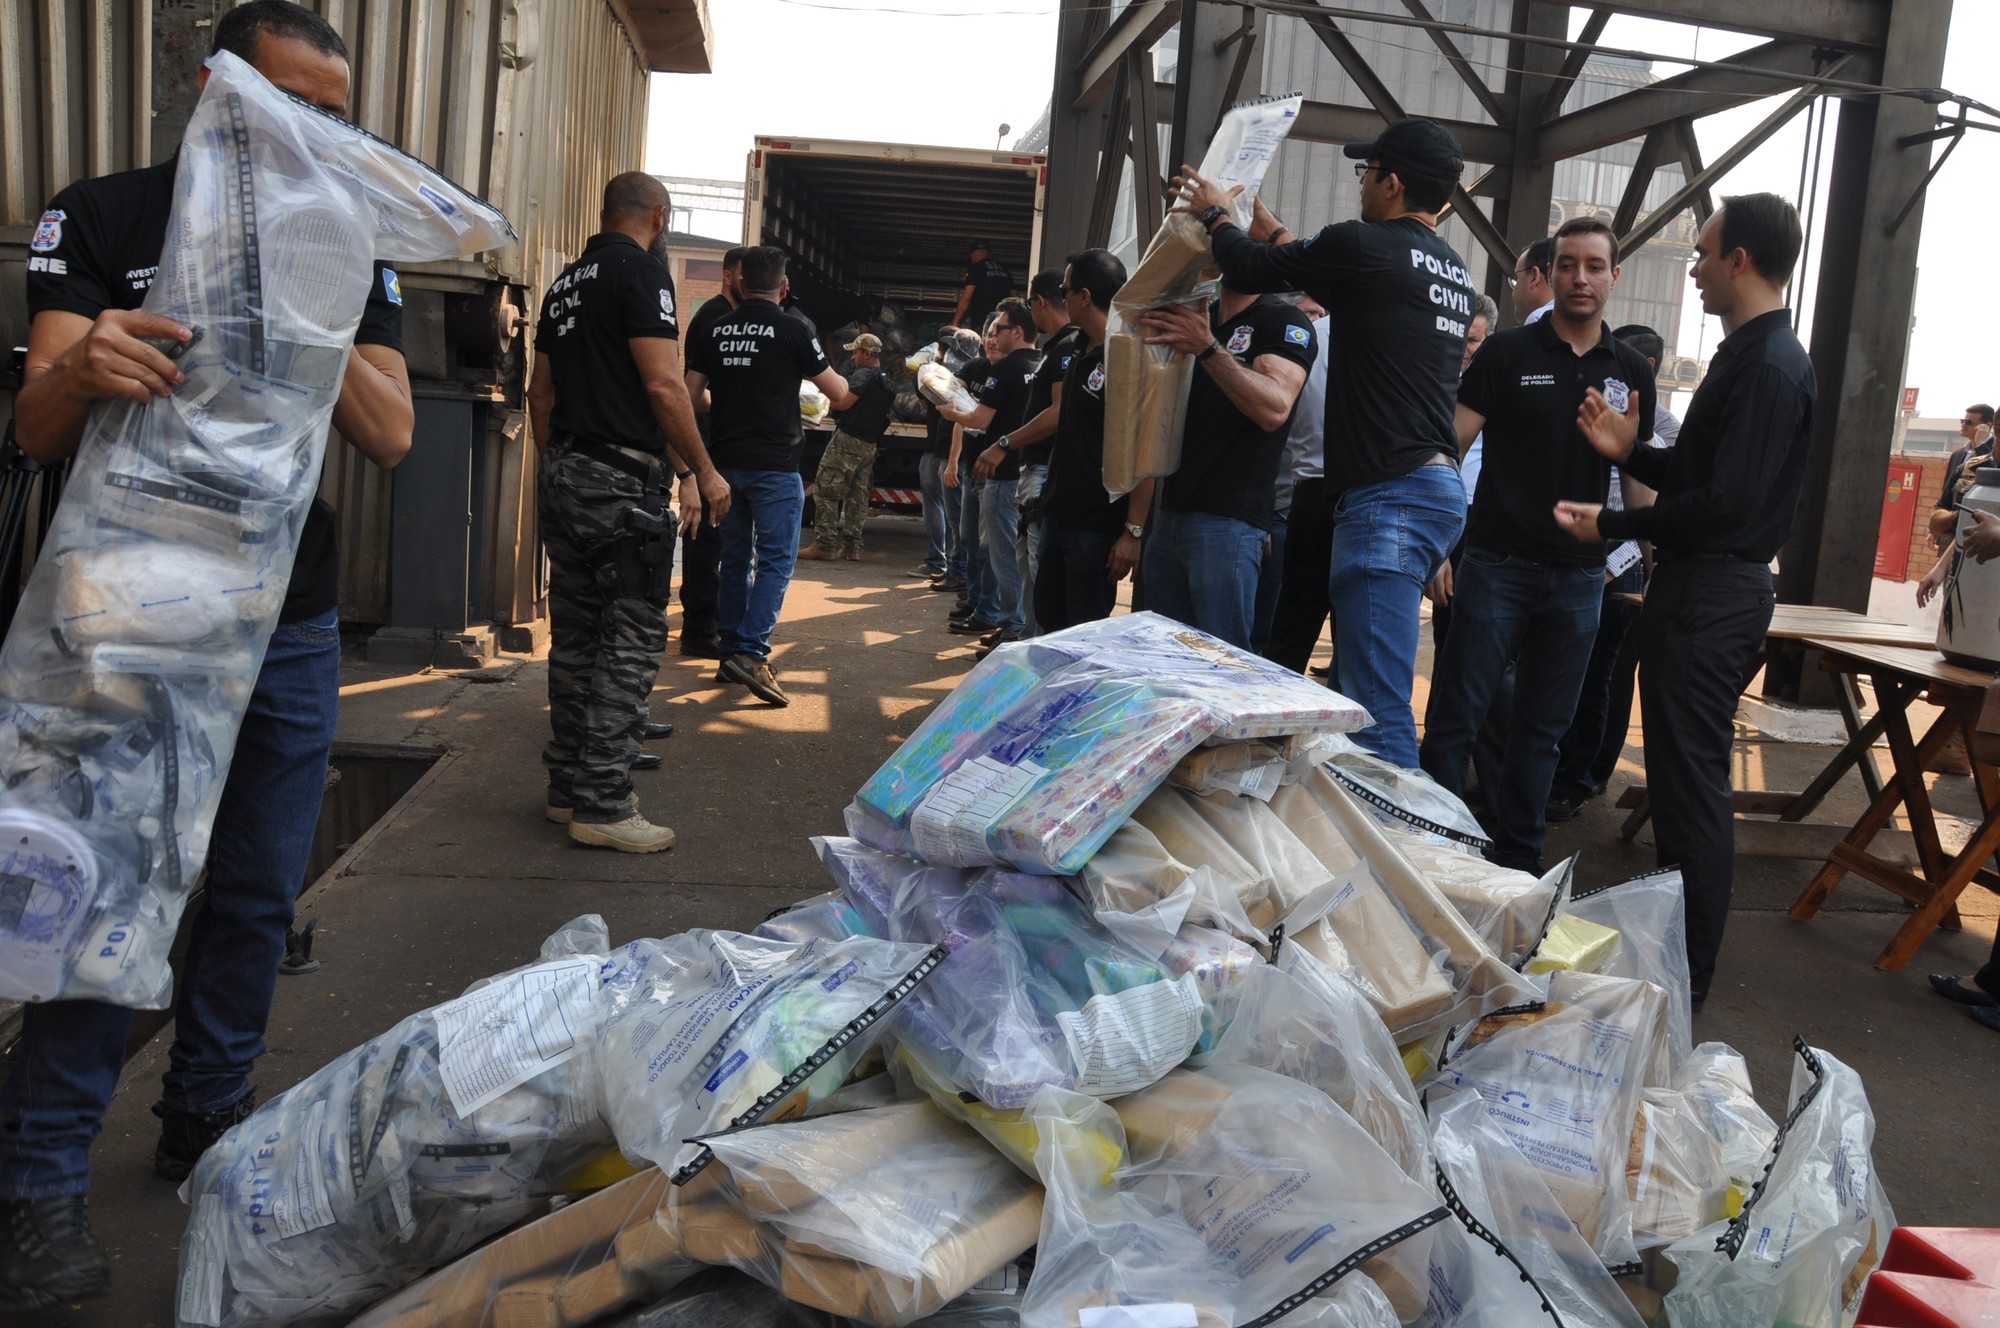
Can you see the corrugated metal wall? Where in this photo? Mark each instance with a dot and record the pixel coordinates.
(533, 104)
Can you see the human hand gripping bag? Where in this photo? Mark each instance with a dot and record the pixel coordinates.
(1035, 991)
(132, 655)
(708, 1029)
(1146, 388)
(402, 1154)
(885, 1216)
(1799, 1254)
(1044, 749)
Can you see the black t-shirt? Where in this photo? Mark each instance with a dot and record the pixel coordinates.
(1074, 495)
(1529, 385)
(868, 418)
(614, 292)
(991, 283)
(1007, 386)
(1057, 352)
(1229, 466)
(754, 360)
(98, 247)
(1401, 300)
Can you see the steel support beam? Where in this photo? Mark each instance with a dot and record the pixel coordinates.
(1330, 122)
(1148, 184)
(1076, 141)
(1454, 57)
(1652, 152)
(1572, 67)
(1137, 26)
(1761, 72)
(1533, 70)
(1861, 316)
(1211, 73)
(1825, 22)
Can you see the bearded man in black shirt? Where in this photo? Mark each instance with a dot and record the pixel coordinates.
(91, 263)
(1728, 491)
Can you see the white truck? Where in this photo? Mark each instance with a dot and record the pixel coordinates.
(863, 223)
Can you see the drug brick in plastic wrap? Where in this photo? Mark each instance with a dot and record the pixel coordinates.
(403, 1153)
(1043, 750)
(132, 655)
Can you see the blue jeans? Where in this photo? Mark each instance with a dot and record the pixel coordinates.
(1270, 580)
(1028, 539)
(765, 507)
(1201, 569)
(981, 587)
(72, 1052)
(940, 524)
(1389, 539)
(1543, 617)
(1074, 582)
(999, 530)
(1584, 742)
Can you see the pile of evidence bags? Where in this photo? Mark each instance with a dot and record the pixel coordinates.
(131, 658)
(1250, 1064)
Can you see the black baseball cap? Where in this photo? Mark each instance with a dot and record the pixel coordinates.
(1424, 146)
(977, 245)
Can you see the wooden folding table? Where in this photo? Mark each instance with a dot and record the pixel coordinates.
(1899, 674)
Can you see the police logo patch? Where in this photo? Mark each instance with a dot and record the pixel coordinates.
(48, 231)
(392, 287)
(1298, 336)
(1617, 395)
(1095, 382)
(1239, 341)
(666, 304)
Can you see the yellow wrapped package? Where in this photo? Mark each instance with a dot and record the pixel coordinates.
(1575, 944)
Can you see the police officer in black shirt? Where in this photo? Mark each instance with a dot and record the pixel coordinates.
(701, 541)
(840, 488)
(1252, 353)
(91, 261)
(607, 387)
(1525, 592)
(1400, 300)
(1728, 491)
(1001, 395)
(987, 282)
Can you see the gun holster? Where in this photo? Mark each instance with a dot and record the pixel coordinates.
(644, 550)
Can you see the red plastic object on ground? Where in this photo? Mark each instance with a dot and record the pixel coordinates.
(1935, 1277)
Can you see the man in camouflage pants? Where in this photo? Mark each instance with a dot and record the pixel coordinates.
(607, 388)
(840, 490)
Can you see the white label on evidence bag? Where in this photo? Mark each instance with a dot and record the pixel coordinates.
(506, 1033)
(1125, 1040)
(1174, 1315)
(950, 824)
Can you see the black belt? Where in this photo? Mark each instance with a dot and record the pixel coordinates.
(647, 470)
(1704, 556)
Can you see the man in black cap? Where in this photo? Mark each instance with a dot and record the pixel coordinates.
(987, 282)
(1400, 300)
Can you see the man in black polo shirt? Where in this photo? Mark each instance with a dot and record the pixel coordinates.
(1252, 353)
(701, 541)
(840, 490)
(1001, 396)
(1400, 301)
(607, 387)
(1029, 441)
(1525, 591)
(750, 364)
(986, 282)
(1089, 543)
(1728, 491)
(92, 260)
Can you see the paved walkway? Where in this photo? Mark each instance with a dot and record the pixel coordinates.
(464, 878)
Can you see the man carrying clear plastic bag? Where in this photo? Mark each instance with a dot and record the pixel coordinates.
(90, 343)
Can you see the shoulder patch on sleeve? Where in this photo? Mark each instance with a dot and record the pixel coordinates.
(1298, 336)
(48, 231)
(392, 287)
(667, 303)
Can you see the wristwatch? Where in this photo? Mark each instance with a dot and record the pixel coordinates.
(684, 474)
(1212, 215)
(1135, 530)
(1207, 351)
(1004, 443)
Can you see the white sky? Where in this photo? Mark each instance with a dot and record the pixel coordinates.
(952, 71)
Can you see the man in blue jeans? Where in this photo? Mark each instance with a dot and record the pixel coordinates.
(1002, 405)
(1400, 299)
(1251, 355)
(84, 345)
(750, 364)
(1526, 590)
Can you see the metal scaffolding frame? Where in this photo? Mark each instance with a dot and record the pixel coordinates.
(1878, 61)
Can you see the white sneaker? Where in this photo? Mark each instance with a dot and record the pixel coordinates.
(634, 834)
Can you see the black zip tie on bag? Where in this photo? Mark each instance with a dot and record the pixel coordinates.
(1386, 1240)
(1403, 814)
(1730, 1242)
(1479, 1231)
(757, 1111)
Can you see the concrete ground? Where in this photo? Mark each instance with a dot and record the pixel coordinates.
(464, 878)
